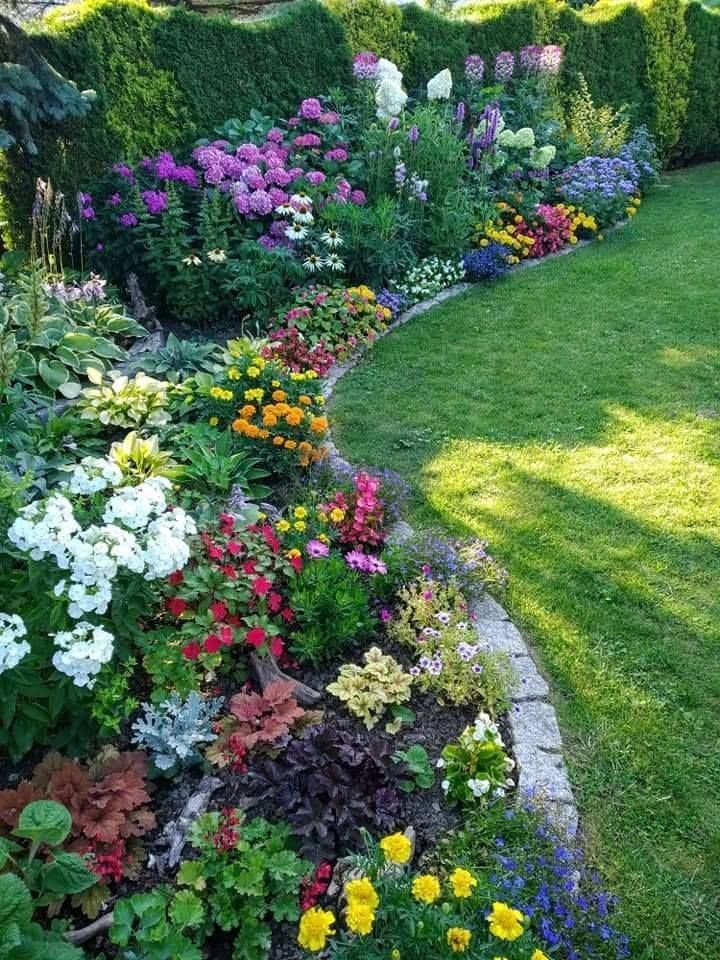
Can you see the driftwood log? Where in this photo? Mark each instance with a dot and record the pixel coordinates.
(93, 929)
(174, 834)
(138, 305)
(267, 671)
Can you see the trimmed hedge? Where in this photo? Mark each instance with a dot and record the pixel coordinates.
(167, 76)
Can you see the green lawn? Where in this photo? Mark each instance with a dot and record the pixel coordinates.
(570, 415)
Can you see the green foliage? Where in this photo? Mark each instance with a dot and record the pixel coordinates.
(369, 690)
(331, 609)
(140, 458)
(178, 359)
(701, 136)
(247, 873)
(475, 765)
(50, 344)
(417, 772)
(597, 130)
(30, 883)
(152, 925)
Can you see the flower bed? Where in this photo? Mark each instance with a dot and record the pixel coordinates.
(197, 588)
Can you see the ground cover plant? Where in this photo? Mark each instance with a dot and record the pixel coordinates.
(270, 712)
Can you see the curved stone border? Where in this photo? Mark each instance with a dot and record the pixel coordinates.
(536, 741)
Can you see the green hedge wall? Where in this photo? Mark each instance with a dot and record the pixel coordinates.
(167, 76)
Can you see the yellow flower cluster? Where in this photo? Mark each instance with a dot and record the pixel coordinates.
(580, 221)
(316, 925)
(397, 848)
(362, 902)
(458, 939)
(631, 210)
(505, 922)
(503, 229)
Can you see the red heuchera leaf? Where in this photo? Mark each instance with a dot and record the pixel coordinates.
(278, 692)
(13, 801)
(101, 824)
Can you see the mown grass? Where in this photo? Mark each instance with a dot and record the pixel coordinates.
(569, 414)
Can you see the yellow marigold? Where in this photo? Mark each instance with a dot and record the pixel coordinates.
(299, 525)
(305, 446)
(278, 441)
(312, 374)
(295, 417)
(248, 411)
(426, 888)
(262, 515)
(270, 420)
(297, 377)
(281, 409)
(316, 925)
(274, 383)
(396, 847)
(233, 373)
(300, 513)
(304, 400)
(458, 939)
(319, 424)
(539, 955)
(359, 918)
(282, 525)
(256, 393)
(323, 538)
(362, 891)
(278, 395)
(505, 922)
(290, 444)
(263, 434)
(253, 372)
(213, 421)
(291, 554)
(337, 515)
(387, 313)
(218, 393)
(319, 400)
(462, 882)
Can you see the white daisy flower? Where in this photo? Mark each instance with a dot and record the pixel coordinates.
(335, 263)
(296, 231)
(192, 261)
(217, 255)
(331, 238)
(313, 262)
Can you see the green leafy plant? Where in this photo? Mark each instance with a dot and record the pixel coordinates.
(212, 464)
(331, 609)
(158, 925)
(418, 774)
(248, 874)
(141, 458)
(596, 130)
(476, 765)
(52, 345)
(368, 691)
(125, 402)
(30, 882)
(178, 359)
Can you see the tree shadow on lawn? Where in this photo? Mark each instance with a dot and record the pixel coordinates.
(626, 616)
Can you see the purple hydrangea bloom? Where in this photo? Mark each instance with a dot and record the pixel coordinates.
(315, 177)
(310, 109)
(504, 66)
(365, 65)
(338, 155)
(156, 201)
(128, 220)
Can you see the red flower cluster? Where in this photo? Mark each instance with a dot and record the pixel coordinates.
(111, 863)
(291, 349)
(227, 835)
(312, 888)
(551, 229)
(363, 514)
(233, 589)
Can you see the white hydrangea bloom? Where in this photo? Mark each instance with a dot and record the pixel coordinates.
(390, 98)
(440, 87)
(525, 138)
(166, 549)
(542, 157)
(82, 653)
(387, 70)
(12, 647)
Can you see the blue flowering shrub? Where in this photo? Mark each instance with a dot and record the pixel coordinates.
(486, 263)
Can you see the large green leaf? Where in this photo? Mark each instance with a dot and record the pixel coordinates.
(81, 342)
(71, 389)
(68, 357)
(53, 372)
(106, 348)
(25, 365)
(67, 873)
(15, 900)
(45, 821)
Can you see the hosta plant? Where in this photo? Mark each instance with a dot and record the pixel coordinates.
(368, 691)
(108, 803)
(31, 881)
(124, 402)
(178, 359)
(244, 875)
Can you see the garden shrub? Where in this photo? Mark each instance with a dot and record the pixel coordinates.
(701, 135)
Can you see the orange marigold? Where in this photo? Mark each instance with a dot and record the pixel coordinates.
(279, 395)
(278, 441)
(319, 424)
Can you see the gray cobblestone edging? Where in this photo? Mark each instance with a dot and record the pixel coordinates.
(536, 741)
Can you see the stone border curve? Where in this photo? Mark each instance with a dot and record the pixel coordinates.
(536, 740)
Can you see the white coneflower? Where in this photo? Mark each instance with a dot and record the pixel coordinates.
(285, 210)
(334, 262)
(296, 231)
(331, 238)
(313, 262)
(303, 214)
(217, 255)
(192, 261)
(301, 199)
